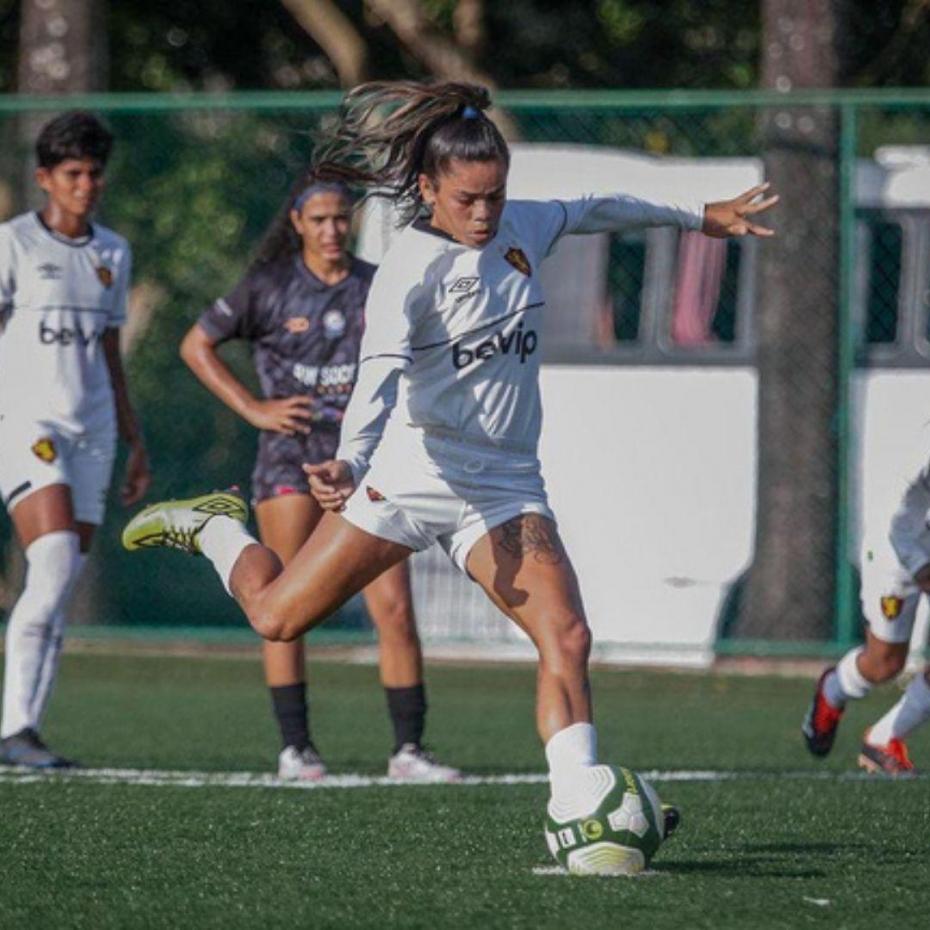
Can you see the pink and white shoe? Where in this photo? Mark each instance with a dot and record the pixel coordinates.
(413, 763)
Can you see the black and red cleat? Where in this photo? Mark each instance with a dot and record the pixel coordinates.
(891, 759)
(822, 720)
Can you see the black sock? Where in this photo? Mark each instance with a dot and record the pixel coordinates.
(289, 703)
(407, 707)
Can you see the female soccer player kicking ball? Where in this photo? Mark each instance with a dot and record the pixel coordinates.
(455, 312)
(63, 288)
(300, 307)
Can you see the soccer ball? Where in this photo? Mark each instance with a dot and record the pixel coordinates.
(613, 826)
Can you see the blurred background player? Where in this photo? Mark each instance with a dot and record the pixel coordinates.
(456, 313)
(300, 307)
(63, 286)
(895, 572)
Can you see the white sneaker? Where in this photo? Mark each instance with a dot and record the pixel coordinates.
(300, 764)
(413, 763)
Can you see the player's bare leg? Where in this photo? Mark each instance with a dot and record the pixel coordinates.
(400, 658)
(390, 603)
(524, 568)
(284, 524)
(337, 561)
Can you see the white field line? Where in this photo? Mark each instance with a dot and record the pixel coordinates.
(184, 779)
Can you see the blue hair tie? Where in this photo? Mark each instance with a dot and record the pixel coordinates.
(470, 112)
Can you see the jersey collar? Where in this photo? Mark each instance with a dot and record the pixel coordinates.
(65, 240)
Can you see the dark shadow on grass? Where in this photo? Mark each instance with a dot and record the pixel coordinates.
(766, 860)
(737, 867)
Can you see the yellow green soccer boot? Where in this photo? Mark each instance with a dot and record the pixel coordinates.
(177, 524)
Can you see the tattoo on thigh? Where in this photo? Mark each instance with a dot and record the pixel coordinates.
(532, 535)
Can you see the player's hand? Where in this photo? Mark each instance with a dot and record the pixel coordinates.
(331, 483)
(734, 217)
(138, 475)
(288, 415)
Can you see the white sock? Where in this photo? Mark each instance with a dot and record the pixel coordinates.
(850, 681)
(52, 566)
(569, 751)
(54, 643)
(911, 710)
(222, 540)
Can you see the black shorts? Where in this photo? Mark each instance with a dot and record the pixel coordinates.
(277, 467)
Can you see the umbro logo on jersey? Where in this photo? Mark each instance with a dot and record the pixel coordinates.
(519, 343)
(464, 288)
(49, 272)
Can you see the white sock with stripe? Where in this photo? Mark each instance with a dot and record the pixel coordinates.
(222, 540)
(567, 752)
(911, 710)
(846, 682)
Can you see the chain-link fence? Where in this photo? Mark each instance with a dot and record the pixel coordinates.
(740, 385)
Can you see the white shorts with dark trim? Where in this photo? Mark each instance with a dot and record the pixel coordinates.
(35, 454)
(423, 489)
(896, 546)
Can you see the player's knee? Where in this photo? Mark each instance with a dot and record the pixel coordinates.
(883, 661)
(571, 639)
(395, 622)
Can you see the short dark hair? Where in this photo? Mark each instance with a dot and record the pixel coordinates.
(75, 134)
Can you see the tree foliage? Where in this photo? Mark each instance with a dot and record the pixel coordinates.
(258, 44)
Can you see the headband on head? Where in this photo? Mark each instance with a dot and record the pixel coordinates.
(320, 187)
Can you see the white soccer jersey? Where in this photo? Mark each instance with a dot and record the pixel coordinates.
(57, 296)
(463, 324)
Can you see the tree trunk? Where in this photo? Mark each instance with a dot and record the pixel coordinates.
(334, 32)
(62, 47)
(791, 585)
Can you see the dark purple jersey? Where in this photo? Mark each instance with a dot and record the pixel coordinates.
(304, 334)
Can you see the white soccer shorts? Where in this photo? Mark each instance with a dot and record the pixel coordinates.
(37, 454)
(895, 548)
(424, 489)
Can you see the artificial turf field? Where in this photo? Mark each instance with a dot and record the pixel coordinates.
(777, 839)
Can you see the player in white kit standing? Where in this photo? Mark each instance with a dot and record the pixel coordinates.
(456, 322)
(63, 288)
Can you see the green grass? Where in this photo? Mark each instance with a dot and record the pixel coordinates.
(759, 853)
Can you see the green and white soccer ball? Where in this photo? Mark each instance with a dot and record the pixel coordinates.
(614, 824)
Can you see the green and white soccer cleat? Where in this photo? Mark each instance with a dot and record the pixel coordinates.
(177, 524)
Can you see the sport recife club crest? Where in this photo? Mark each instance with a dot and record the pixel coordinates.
(517, 258)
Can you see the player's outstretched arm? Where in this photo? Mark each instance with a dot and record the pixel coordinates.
(735, 217)
(138, 475)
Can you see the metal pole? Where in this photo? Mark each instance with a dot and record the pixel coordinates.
(845, 618)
